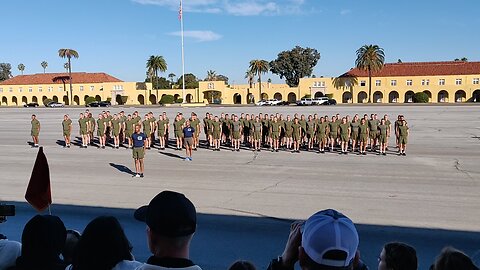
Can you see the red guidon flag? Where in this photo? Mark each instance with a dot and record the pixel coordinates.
(38, 192)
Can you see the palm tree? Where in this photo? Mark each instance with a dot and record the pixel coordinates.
(155, 64)
(69, 53)
(44, 65)
(258, 67)
(345, 81)
(211, 75)
(21, 67)
(370, 58)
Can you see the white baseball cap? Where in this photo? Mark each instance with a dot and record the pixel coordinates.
(329, 231)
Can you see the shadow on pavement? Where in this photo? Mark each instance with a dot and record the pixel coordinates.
(170, 155)
(122, 168)
(222, 239)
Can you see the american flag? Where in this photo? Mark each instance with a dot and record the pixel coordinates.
(180, 11)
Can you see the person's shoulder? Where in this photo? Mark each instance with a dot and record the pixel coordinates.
(127, 265)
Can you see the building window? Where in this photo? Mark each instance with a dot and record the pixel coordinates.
(458, 81)
(1, 90)
(211, 86)
(40, 89)
(476, 80)
(426, 82)
(409, 82)
(30, 89)
(81, 87)
(441, 82)
(378, 83)
(60, 89)
(393, 82)
(92, 88)
(363, 83)
(10, 89)
(50, 89)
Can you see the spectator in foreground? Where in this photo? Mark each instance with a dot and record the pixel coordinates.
(103, 246)
(397, 256)
(453, 259)
(242, 265)
(72, 240)
(171, 221)
(43, 239)
(9, 252)
(328, 240)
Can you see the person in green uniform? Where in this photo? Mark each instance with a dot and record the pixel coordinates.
(108, 131)
(236, 128)
(206, 124)
(265, 129)
(403, 132)
(344, 130)
(138, 152)
(101, 127)
(354, 127)
(67, 129)
(383, 135)
(147, 130)
(195, 123)
(251, 123)
(363, 135)
(178, 126)
(339, 121)
(396, 123)
(116, 131)
(257, 134)
(161, 128)
(246, 130)
(316, 120)
(210, 130)
(322, 132)
(275, 134)
(122, 117)
(373, 126)
(287, 125)
(333, 129)
(216, 127)
(153, 127)
(281, 122)
(296, 135)
(389, 127)
(35, 131)
(226, 129)
(91, 125)
(311, 125)
(129, 130)
(83, 127)
(303, 124)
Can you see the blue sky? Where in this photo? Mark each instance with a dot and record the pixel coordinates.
(117, 36)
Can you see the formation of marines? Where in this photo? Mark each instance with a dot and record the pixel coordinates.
(273, 132)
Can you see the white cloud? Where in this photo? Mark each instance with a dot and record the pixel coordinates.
(345, 12)
(232, 7)
(199, 36)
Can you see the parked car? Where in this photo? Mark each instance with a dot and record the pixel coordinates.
(274, 102)
(305, 102)
(319, 100)
(262, 102)
(31, 104)
(55, 104)
(330, 102)
(99, 104)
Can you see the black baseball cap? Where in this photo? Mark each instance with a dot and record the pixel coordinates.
(169, 214)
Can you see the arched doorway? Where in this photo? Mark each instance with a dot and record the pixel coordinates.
(277, 96)
(55, 98)
(66, 100)
(409, 96)
(250, 98)
(141, 99)
(85, 98)
(264, 96)
(429, 94)
(377, 97)
(292, 98)
(152, 99)
(393, 97)
(98, 98)
(213, 96)
(76, 100)
(237, 99)
(476, 95)
(24, 100)
(118, 99)
(189, 98)
(346, 97)
(14, 101)
(318, 94)
(460, 96)
(35, 99)
(176, 96)
(362, 97)
(44, 98)
(442, 96)
(4, 101)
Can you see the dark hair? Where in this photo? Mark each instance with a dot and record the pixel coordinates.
(400, 256)
(71, 242)
(103, 244)
(452, 259)
(242, 265)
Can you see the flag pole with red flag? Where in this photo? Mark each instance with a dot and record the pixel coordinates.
(39, 194)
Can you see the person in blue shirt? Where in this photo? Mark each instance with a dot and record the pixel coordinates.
(188, 132)
(139, 142)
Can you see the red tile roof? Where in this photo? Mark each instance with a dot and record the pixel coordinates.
(55, 78)
(421, 69)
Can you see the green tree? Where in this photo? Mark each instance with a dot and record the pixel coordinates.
(171, 76)
(156, 64)
(21, 67)
(191, 81)
(420, 97)
(221, 77)
(159, 83)
(463, 59)
(295, 64)
(69, 53)
(259, 67)
(371, 59)
(5, 71)
(44, 65)
(211, 75)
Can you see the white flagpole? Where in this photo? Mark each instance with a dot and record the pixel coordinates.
(183, 54)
